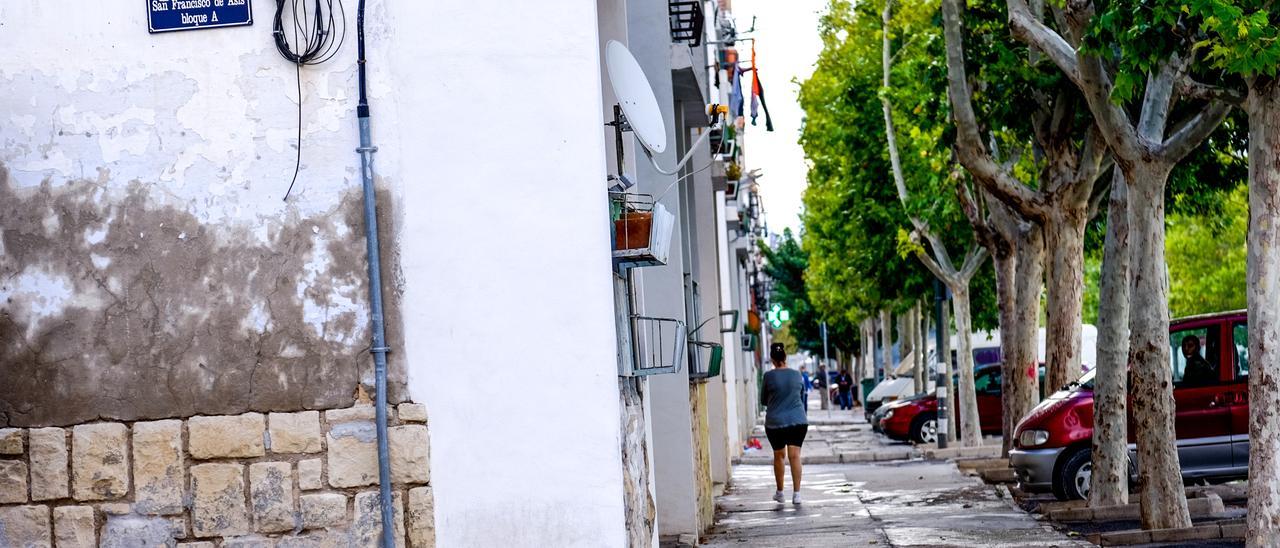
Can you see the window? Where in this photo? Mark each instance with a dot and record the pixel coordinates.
(984, 356)
(1193, 356)
(987, 382)
(1240, 334)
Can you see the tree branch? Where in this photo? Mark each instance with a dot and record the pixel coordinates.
(1029, 29)
(891, 131)
(1110, 117)
(1099, 192)
(932, 266)
(972, 154)
(940, 252)
(1157, 101)
(973, 261)
(982, 231)
(1191, 89)
(1093, 152)
(1194, 131)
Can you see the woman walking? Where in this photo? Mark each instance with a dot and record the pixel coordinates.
(785, 420)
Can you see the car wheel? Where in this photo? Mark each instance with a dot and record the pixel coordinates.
(925, 428)
(1072, 480)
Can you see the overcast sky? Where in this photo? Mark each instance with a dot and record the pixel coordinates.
(787, 44)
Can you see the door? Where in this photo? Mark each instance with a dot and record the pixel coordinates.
(1203, 418)
(1237, 396)
(987, 386)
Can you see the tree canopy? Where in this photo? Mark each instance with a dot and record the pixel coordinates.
(855, 226)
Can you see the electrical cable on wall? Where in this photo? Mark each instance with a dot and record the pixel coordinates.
(317, 35)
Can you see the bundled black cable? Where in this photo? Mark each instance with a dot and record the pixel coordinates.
(317, 34)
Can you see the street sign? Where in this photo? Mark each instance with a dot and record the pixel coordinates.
(173, 15)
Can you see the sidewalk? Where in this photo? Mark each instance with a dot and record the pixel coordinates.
(904, 503)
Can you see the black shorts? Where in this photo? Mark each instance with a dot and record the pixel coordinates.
(779, 438)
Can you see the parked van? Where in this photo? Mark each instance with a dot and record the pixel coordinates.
(1209, 363)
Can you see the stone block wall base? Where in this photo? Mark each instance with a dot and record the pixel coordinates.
(276, 479)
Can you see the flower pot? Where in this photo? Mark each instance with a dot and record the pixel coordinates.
(632, 230)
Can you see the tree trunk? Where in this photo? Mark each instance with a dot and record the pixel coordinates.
(1164, 502)
(870, 371)
(1064, 238)
(1109, 484)
(872, 364)
(907, 340)
(1263, 107)
(970, 426)
(1025, 385)
(886, 343)
(922, 362)
(1006, 303)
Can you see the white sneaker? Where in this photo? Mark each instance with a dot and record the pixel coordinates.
(795, 499)
(778, 498)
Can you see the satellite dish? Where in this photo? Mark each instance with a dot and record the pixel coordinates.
(636, 97)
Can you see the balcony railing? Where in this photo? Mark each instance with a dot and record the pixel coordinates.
(686, 21)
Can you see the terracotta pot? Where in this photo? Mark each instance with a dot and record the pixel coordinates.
(631, 231)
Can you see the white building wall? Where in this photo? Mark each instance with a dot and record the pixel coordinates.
(731, 340)
(508, 295)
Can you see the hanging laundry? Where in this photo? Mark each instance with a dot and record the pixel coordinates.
(755, 85)
(757, 93)
(768, 121)
(735, 92)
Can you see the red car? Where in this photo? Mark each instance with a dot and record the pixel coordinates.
(1210, 372)
(916, 419)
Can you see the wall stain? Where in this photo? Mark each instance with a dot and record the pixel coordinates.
(169, 317)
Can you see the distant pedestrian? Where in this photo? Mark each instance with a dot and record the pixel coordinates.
(808, 385)
(820, 384)
(785, 421)
(844, 384)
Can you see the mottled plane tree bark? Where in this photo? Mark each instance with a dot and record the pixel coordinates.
(1146, 149)
(1243, 37)
(1072, 155)
(1263, 108)
(1109, 482)
(1017, 251)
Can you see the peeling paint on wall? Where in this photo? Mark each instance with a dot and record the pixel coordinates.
(121, 309)
(148, 266)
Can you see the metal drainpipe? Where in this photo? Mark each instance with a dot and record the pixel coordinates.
(379, 348)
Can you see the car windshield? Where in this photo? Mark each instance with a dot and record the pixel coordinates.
(1086, 380)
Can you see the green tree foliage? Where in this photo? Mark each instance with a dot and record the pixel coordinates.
(1205, 250)
(852, 216)
(854, 221)
(786, 265)
(1206, 256)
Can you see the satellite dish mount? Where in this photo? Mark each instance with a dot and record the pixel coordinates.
(637, 109)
